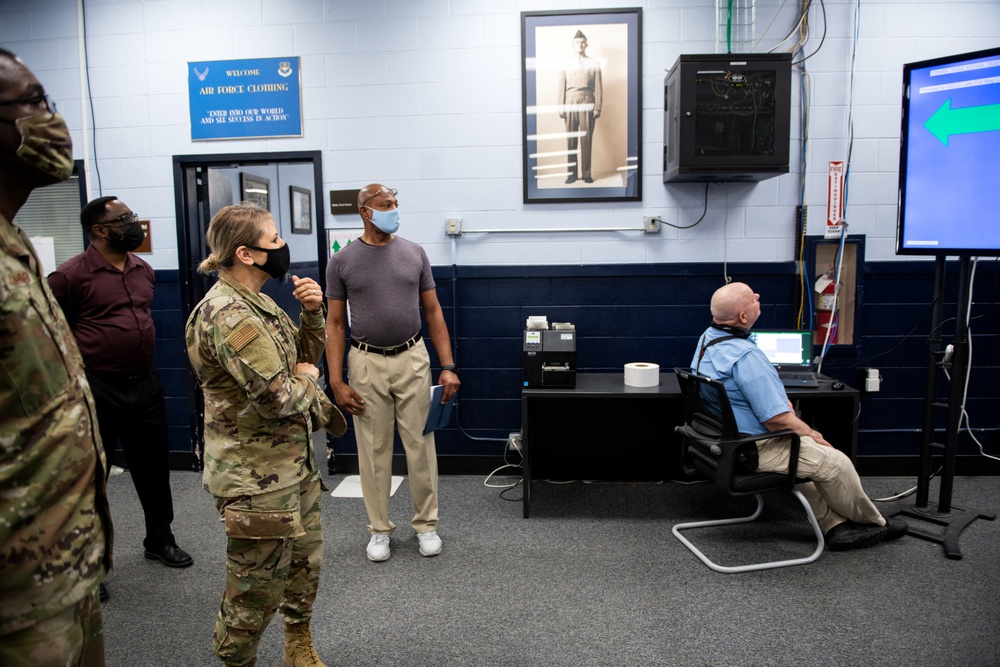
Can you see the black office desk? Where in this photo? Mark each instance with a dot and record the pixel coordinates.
(602, 429)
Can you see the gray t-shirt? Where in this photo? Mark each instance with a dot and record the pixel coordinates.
(383, 286)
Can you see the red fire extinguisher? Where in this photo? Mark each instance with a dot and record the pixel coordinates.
(826, 286)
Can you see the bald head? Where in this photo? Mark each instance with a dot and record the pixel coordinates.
(16, 80)
(736, 305)
(8, 63)
(371, 191)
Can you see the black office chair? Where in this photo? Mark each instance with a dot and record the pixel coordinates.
(729, 458)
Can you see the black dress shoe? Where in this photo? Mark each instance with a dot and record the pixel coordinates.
(171, 555)
(588, 180)
(850, 535)
(571, 179)
(104, 593)
(894, 529)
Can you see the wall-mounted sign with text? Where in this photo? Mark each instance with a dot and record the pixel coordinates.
(242, 99)
(343, 201)
(147, 238)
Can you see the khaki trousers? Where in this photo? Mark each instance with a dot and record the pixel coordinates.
(396, 391)
(835, 492)
(582, 122)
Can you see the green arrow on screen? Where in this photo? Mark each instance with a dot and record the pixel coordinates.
(947, 121)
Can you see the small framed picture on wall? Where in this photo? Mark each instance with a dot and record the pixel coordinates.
(255, 189)
(301, 210)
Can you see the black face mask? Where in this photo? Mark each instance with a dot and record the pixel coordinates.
(131, 237)
(278, 261)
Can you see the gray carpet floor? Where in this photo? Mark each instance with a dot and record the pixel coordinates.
(594, 577)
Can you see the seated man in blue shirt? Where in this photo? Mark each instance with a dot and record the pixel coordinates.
(846, 515)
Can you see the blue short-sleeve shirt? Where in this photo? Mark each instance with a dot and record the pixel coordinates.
(752, 384)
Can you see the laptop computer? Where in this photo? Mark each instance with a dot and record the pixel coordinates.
(790, 352)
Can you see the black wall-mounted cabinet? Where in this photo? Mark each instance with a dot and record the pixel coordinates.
(726, 117)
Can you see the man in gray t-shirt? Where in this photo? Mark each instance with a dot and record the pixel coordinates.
(387, 279)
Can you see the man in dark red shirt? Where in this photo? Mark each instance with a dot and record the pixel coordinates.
(106, 293)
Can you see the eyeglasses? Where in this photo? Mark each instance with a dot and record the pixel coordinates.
(33, 101)
(383, 191)
(123, 219)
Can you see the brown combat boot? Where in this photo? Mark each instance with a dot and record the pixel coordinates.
(299, 649)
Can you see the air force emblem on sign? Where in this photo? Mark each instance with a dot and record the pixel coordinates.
(201, 75)
(285, 68)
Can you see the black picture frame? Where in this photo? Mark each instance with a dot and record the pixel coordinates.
(256, 189)
(301, 209)
(554, 169)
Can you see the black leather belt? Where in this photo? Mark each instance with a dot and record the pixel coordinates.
(387, 351)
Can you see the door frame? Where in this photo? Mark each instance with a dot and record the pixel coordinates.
(190, 236)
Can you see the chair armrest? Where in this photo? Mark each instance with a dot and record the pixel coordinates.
(706, 442)
(731, 447)
(723, 454)
(728, 465)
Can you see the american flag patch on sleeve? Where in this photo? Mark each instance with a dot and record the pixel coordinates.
(242, 336)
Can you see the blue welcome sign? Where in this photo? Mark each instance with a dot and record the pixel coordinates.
(240, 99)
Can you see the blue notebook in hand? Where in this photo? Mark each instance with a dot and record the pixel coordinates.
(440, 414)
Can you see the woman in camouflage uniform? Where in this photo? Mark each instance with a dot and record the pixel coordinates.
(262, 402)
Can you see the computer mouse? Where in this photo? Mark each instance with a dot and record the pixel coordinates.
(837, 386)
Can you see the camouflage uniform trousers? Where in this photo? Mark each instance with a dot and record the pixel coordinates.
(273, 556)
(72, 638)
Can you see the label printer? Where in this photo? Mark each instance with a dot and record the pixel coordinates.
(549, 354)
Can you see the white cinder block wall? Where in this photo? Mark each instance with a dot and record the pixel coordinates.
(425, 95)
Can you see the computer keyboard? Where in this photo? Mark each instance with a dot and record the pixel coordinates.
(803, 379)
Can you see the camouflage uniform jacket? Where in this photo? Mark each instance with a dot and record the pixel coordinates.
(55, 524)
(243, 348)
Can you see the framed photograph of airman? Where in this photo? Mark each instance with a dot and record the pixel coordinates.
(581, 88)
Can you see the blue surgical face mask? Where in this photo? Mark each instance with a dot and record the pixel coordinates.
(387, 221)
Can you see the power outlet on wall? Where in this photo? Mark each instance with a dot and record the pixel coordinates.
(872, 379)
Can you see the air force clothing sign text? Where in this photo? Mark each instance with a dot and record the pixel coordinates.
(238, 99)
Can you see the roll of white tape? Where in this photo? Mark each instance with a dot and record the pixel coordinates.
(642, 374)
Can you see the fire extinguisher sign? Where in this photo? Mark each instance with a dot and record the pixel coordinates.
(834, 199)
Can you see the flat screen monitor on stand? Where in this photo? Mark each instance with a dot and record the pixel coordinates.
(950, 138)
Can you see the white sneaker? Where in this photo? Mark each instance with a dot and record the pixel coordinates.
(378, 548)
(430, 543)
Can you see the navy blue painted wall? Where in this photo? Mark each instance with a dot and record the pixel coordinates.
(172, 363)
(655, 313)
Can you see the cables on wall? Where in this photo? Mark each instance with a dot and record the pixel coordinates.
(801, 26)
(850, 109)
(847, 174)
(85, 63)
(822, 39)
(693, 224)
(968, 370)
(725, 223)
(804, 289)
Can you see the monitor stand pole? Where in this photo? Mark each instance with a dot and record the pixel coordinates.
(954, 519)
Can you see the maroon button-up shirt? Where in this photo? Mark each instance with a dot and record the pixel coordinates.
(108, 310)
